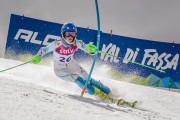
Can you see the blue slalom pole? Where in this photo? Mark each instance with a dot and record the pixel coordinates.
(96, 54)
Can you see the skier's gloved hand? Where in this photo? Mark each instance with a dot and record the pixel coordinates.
(91, 48)
(36, 59)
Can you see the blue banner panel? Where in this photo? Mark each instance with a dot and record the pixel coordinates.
(128, 56)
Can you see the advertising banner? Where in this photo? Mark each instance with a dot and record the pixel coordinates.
(145, 62)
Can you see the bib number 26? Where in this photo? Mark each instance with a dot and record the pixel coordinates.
(63, 59)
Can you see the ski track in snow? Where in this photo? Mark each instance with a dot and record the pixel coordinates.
(33, 92)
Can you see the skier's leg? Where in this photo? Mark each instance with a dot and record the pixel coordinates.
(92, 90)
(71, 73)
(75, 78)
(101, 95)
(82, 73)
(80, 82)
(100, 86)
(63, 72)
(94, 87)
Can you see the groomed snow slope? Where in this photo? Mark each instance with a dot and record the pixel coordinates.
(33, 92)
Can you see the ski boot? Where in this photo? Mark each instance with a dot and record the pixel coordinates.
(106, 97)
(100, 94)
(122, 102)
(100, 86)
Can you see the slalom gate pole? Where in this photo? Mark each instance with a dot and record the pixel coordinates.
(16, 66)
(96, 54)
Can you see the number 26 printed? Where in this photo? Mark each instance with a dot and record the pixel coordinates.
(63, 59)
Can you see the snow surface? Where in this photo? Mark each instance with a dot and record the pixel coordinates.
(33, 92)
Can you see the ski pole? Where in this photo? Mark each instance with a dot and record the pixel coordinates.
(16, 66)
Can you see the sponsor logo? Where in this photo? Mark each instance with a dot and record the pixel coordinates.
(30, 36)
(151, 57)
(66, 51)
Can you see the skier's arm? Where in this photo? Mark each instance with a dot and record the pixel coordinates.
(83, 47)
(47, 49)
(43, 50)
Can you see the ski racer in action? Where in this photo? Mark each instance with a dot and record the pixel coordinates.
(65, 66)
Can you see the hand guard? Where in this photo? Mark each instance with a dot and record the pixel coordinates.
(36, 59)
(91, 48)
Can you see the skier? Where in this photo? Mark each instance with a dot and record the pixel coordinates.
(66, 67)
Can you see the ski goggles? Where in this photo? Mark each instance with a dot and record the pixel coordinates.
(68, 34)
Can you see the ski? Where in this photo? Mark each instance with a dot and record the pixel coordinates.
(119, 102)
(122, 102)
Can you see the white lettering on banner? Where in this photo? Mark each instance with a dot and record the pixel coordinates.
(116, 54)
(105, 49)
(20, 35)
(155, 58)
(174, 62)
(112, 50)
(151, 57)
(130, 55)
(33, 39)
(30, 36)
(50, 37)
